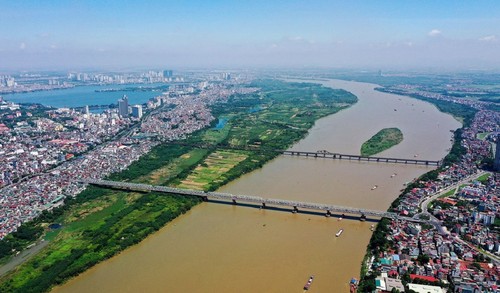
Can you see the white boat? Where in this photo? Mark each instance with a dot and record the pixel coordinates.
(339, 232)
(374, 187)
(309, 282)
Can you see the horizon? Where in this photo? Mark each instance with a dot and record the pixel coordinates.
(386, 35)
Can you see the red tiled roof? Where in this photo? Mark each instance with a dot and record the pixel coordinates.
(427, 278)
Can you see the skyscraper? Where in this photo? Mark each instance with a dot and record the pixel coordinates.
(496, 165)
(137, 111)
(123, 106)
(167, 73)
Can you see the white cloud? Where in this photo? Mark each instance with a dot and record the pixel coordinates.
(491, 38)
(295, 39)
(434, 33)
(22, 46)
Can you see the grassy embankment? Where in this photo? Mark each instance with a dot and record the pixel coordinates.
(99, 223)
(381, 141)
(378, 241)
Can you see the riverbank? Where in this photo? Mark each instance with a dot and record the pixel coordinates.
(100, 223)
(379, 242)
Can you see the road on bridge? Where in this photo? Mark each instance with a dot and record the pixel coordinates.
(264, 202)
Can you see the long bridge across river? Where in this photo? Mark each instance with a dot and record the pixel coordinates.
(329, 155)
(264, 202)
(318, 154)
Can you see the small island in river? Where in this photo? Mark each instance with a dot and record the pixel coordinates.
(381, 141)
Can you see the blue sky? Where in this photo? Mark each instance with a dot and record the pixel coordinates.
(372, 34)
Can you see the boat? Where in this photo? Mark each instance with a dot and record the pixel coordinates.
(374, 187)
(339, 232)
(339, 219)
(309, 282)
(372, 227)
(353, 285)
(394, 175)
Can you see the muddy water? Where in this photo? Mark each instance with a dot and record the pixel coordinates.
(225, 248)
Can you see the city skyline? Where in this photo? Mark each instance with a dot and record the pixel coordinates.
(367, 34)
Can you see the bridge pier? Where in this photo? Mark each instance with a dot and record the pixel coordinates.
(328, 214)
(204, 198)
(362, 218)
(263, 205)
(295, 210)
(234, 201)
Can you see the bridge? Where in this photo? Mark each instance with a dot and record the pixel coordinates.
(318, 154)
(329, 155)
(263, 202)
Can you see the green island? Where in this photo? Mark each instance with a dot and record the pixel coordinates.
(99, 223)
(381, 141)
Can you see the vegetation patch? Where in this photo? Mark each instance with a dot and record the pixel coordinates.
(212, 169)
(383, 140)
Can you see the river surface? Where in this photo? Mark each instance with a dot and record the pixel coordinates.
(225, 248)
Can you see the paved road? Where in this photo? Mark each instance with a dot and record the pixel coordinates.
(22, 257)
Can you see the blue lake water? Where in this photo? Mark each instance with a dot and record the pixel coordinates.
(221, 123)
(255, 109)
(85, 95)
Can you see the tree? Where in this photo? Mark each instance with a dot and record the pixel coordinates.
(423, 258)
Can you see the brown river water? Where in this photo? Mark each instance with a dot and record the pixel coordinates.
(225, 248)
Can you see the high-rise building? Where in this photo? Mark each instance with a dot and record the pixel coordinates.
(496, 165)
(168, 73)
(137, 111)
(86, 110)
(123, 106)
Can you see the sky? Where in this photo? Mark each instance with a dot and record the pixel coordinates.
(396, 34)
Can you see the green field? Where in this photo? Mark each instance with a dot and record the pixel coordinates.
(483, 178)
(381, 141)
(482, 135)
(100, 223)
(212, 169)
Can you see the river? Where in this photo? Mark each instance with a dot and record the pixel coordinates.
(225, 248)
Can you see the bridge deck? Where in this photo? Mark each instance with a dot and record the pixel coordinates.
(245, 198)
(328, 155)
(319, 154)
